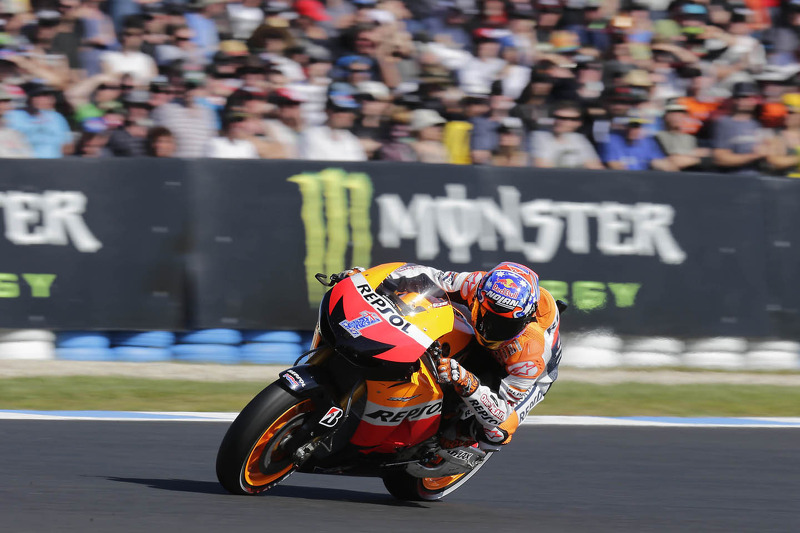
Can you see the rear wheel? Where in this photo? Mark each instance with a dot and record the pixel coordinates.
(406, 487)
(256, 452)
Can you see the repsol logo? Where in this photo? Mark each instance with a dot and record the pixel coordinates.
(381, 305)
(459, 223)
(336, 219)
(391, 416)
(51, 217)
(481, 411)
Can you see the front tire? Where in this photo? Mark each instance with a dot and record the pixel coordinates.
(409, 488)
(251, 458)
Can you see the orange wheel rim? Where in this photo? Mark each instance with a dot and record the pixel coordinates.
(438, 483)
(252, 470)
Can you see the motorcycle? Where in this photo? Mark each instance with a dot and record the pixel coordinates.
(365, 401)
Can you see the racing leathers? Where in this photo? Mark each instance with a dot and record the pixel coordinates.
(530, 361)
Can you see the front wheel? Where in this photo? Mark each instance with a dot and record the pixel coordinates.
(406, 487)
(253, 456)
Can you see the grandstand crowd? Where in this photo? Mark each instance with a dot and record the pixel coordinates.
(700, 85)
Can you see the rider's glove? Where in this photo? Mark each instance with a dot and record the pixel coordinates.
(463, 381)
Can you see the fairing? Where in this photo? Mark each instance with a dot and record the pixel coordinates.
(391, 319)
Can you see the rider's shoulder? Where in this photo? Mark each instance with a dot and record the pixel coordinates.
(546, 311)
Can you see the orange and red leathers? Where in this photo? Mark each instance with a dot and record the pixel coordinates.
(530, 360)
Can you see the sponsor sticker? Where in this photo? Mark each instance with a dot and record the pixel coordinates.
(365, 320)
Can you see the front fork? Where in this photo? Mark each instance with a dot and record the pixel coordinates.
(328, 416)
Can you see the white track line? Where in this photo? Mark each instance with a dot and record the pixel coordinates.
(132, 416)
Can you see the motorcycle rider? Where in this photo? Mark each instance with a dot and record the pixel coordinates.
(517, 323)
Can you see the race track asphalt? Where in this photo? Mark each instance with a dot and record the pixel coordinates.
(79, 476)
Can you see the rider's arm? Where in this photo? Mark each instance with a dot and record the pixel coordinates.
(460, 286)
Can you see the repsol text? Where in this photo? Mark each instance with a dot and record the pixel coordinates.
(17, 285)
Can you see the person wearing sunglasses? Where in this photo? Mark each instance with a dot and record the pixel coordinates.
(564, 146)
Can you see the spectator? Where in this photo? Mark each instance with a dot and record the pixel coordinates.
(483, 138)
(181, 47)
(93, 139)
(371, 127)
(784, 153)
(288, 124)
(191, 123)
(680, 147)
(130, 60)
(631, 149)
(160, 143)
(41, 60)
(398, 147)
(204, 28)
(311, 14)
(426, 125)
(97, 32)
(12, 143)
(702, 102)
(564, 147)
(509, 151)
(739, 142)
(484, 68)
(45, 129)
(93, 96)
(131, 139)
(233, 143)
(334, 141)
(245, 17)
(533, 105)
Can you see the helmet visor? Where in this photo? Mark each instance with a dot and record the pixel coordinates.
(495, 328)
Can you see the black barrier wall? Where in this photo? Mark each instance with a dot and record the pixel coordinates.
(93, 244)
(144, 244)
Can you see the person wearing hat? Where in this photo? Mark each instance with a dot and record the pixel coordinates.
(739, 143)
(334, 141)
(427, 126)
(45, 129)
(632, 149)
(680, 147)
(12, 143)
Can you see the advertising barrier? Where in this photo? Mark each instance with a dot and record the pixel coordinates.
(92, 244)
(642, 253)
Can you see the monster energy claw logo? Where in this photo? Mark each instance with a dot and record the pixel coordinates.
(336, 217)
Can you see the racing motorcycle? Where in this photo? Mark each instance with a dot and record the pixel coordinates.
(365, 401)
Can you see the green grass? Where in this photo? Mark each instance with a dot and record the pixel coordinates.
(568, 398)
(640, 399)
(124, 394)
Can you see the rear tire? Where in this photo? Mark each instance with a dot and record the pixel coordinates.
(409, 488)
(250, 458)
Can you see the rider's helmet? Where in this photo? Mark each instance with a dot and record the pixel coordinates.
(505, 301)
